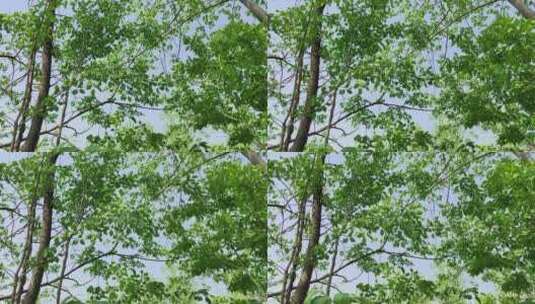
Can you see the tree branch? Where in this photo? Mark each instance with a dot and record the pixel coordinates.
(523, 8)
(254, 158)
(11, 57)
(257, 11)
(83, 264)
(340, 268)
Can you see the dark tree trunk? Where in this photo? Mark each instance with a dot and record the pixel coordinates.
(19, 278)
(41, 260)
(310, 261)
(44, 88)
(523, 9)
(257, 11)
(312, 88)
(290, 274)
(286, 135)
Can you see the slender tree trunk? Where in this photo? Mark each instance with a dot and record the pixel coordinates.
(333, 265)
(310, 261)
(41, 260)
(312, 88)
(523, 8)
(63, 268)
(46, 68)
(255, 158)
(19, 279)
(333, 261)
(62, 118)
(286, 135)
(20, 122)
(289, 275)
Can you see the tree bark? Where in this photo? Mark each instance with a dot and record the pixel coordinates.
(286, 135)
(310, 261)
(257, 11)
(19, 279)
(62, 118)
(255, 158)
(41, 262)
(333, 265)
(63, 268)
(312, 88)
(44, 88)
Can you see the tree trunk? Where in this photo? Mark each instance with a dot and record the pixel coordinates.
(19, 279)
(289, 275)
(44, 88)
(286, 135)
(41, 260)
(255, 158)
(333, 265)
(303, 284)
(312, 88)
(20, 122)
(63, 268)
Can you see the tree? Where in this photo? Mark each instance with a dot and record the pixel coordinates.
(400, 70)
(489, 230)
(96, 65)
(113, 216)
(388, 216)
(107, 67)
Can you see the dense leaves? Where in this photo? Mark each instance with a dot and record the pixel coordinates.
(399, 70)
(127, 217)
(407, 227)
(223, 84)
(194, 68)
(489, 83)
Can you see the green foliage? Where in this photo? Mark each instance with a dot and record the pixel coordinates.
(399, 68)
(223, 84)
(491, 229)
(124, 65)
(489, 82)
(128, 216)
(315, 297)
(222, 231)
(467, 215)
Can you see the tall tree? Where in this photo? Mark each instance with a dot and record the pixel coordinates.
(401, 70)
(111, 67)
(122, 213)
(401, 226)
